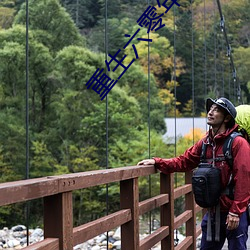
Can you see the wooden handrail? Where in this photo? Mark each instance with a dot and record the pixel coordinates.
(56, 191)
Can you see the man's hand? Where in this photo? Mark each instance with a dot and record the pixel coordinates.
(232, 221)
(146, 162)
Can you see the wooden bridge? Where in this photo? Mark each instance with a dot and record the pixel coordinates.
(56, 192)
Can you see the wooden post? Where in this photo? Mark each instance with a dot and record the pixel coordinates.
(129, 197)
(58, 219)
(167, 210)
(190, 205)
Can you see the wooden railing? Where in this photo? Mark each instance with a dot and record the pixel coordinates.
(59, 232)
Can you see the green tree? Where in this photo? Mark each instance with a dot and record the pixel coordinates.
(53, 25)
(242, 64)
(6, 17)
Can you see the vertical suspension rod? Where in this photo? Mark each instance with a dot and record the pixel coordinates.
(229, 52)
(27, 113)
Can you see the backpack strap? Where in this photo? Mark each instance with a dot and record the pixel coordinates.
(227, 148)
(227, 151)
(203, 152)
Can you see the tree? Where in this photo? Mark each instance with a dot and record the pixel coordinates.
(84, 13)
(6, 17)
(161, 64)
(53, 25)
(242, 65)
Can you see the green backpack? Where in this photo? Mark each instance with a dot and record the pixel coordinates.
(243, 120)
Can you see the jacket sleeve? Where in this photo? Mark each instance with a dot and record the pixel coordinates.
(241, 175)
(185, 162)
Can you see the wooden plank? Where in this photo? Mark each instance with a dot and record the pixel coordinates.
(185, 244)
(152, 203)
(178, 192)
(167, 210)
(154, 238)
(198, 231)
(182, 218)
(129, 196)
(190, 205)
(90, 230)
(58, 219)
(198, 209)
(24, 190)
(46, 244)
(99, 177)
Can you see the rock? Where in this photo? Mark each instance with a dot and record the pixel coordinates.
(95, 248)
(18, 247)
(81, 246)
(38, 232)
(18, 234)
(111, 233)
(100, 238)
(18, 228)
(16, 238)
(3, 233)
(103, 243)
(13, 243)
(91, 242)
(111, 240)
(117, 235)
(117, 245)
(23, 240)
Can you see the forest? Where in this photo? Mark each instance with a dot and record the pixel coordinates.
(70, 129)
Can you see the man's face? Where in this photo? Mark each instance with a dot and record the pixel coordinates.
(215, 116)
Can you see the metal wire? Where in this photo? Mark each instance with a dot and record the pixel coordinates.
(174, 78)
(229, 54)
(205, 51)
(107, 124)
(175, 107)
(215, 51)
(149, 128)
(193, 108)
(27, 207)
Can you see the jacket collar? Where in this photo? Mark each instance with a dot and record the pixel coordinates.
(221, 136)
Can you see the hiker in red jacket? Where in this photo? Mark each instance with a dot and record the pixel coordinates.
(221, 115)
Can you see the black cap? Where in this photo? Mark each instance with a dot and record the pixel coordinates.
(223, 103)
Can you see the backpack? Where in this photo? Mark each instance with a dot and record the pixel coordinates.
(206, 179)
(206, 185)
(243, 120)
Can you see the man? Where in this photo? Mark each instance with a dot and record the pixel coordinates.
(221, 115)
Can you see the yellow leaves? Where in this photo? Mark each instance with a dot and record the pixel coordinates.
(203, 114)
(160, 55)
(188, 107)
(168, 99)
(195, 134)
(166, 96)
(167, 18)
(171, 85)
(179, 66)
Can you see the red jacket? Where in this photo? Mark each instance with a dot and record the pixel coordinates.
(241, 167)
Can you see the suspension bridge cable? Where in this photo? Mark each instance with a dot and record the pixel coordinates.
(174, 79)
(149, 128)
(175, 107)
(192, 77)
(27, 207)
(106, 117)
(222, 68)
(215, 52)
(229, 53)
(205, 51)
